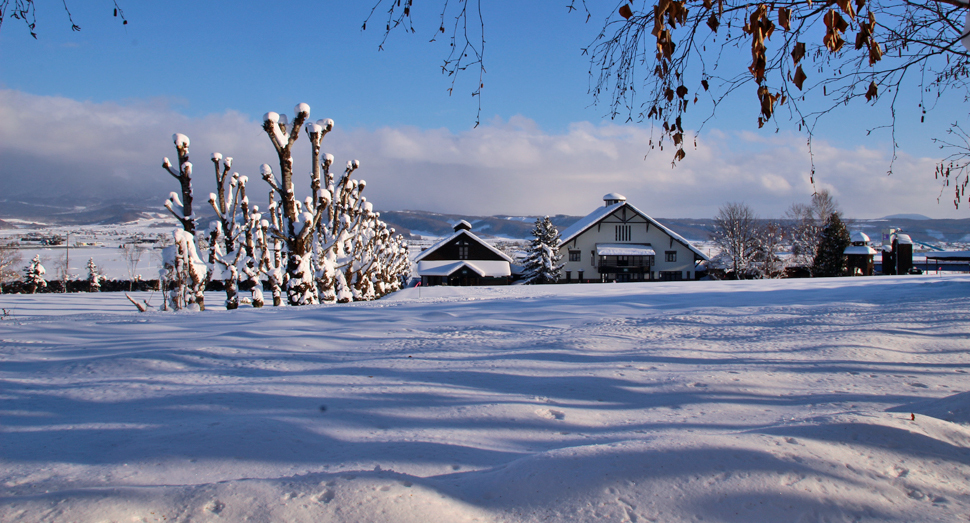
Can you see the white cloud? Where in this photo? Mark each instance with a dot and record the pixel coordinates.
(57, 147)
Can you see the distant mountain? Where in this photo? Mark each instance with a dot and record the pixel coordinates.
(424, 223)
(906, 217)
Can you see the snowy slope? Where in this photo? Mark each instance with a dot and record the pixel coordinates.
(752, 401)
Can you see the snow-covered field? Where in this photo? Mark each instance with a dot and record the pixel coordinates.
(788, 400)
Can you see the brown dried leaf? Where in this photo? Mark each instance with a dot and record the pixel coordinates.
(798, 52)
(708, 4)
(846, 6)
(679, 155)
(669, 94)
(835, 25)
(682, 91)
(767, 102)
(873, 91)
(875, 52)
(800, 78)
(784, 18)
(713, 22)
(626, 11)
(678, 138)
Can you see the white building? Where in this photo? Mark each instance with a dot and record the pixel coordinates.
(618, 242)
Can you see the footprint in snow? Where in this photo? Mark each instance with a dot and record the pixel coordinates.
(324, 497)
(551, 414)
(215, 506)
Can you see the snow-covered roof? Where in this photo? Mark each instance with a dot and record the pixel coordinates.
(624, 249)
(948, 255)
(614, 196)
(483, 268)
(471, 236)
(600, 213)
(904, 239)
(860, 249)
(859, 236)
(463, 225)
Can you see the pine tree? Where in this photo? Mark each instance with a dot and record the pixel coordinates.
(830, 256)
(94, 276)
(34, 275)
(544, 261)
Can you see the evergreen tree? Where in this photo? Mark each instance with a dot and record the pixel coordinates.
(830, 256)
(94, 276)
(34, 275)
(544, 261)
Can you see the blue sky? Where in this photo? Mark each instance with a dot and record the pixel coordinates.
(112, 95)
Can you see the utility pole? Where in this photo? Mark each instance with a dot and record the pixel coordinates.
(67, 259)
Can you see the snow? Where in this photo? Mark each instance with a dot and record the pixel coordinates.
(860, 249)
(772, 400)
(859, 237)
(471, 236)
(484, 268)
(623, 249)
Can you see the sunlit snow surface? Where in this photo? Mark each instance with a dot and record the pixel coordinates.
(717, 401)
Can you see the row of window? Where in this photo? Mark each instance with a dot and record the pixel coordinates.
(669, 256)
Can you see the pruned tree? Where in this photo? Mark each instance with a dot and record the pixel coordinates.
(184, 273)
(329, 237)
(830, 257)
(543, 262)
(734, 233)
(330, 246)
(34, 275)
(231, 241)
(181, 265)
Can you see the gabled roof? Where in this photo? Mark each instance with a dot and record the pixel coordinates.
(601, 213)
(483, 268)
(471, 236)
(859, 237)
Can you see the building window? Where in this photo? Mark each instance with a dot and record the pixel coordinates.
(671, 256)
(574, 256)
(463, 250)
(569, 275)
(579, 276)
(671, 275)
(623, 233)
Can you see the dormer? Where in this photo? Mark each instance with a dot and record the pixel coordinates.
(463, 226)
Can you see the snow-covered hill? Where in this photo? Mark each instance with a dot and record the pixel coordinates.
(794, 400)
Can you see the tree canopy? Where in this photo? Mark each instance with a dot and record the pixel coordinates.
(653, 60)
(25, 11)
